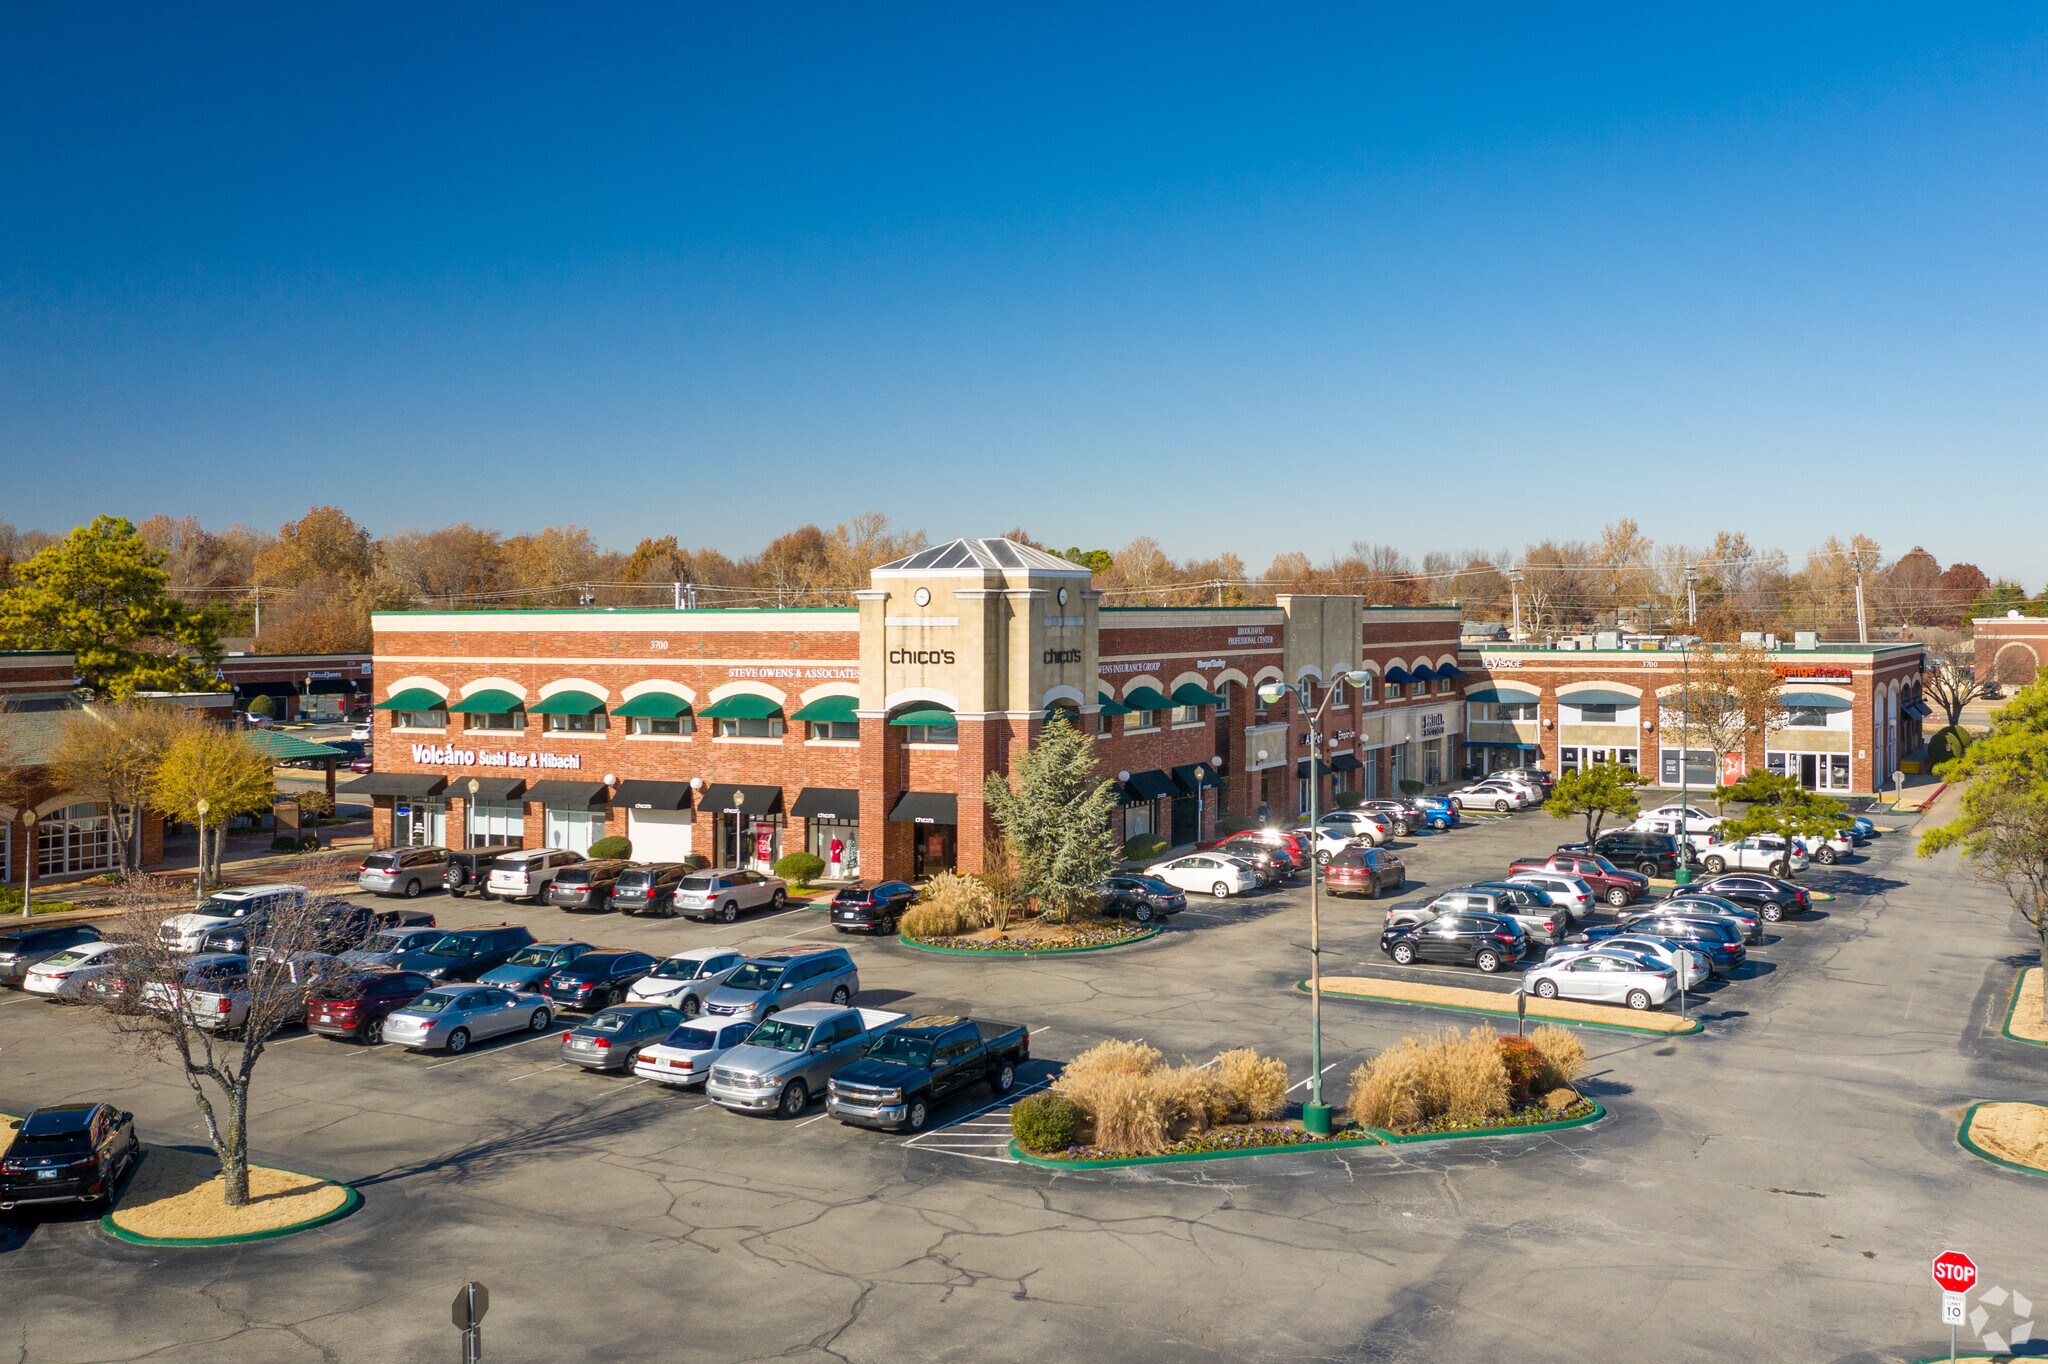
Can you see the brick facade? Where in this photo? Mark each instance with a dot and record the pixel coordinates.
(2011, 650)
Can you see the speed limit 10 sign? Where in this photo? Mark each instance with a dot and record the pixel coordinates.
(1954, 1272)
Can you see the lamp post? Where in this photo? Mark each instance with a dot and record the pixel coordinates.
(1201, 786)
(201, 808)
(1682, 876)
(1315, 1114)
(28, 856)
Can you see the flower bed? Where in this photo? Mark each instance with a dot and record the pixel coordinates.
(1037, 940)
(1246, 1136)
(1527, 1117)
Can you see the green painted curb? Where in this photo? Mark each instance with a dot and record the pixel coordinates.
(2012, 1006)
(1963, 1138)
(999, 955)
(1527, 1129)
(1117, 1162)
(349, 1204)
(1696, 1027)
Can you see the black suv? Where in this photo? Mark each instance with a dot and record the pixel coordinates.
(595, 980)
(22, 948)
(465, 955)
(1143, 898)
(1636, 849)
(73, 1154)
(587, 885)
(470, 868)
(648, 888)
(877, 908)
(1770, 897)
(1486, 941)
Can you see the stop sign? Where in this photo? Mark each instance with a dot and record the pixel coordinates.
(1954, 1272)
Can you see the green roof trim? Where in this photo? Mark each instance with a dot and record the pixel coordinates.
(1147, 698)
(567, 703)
(1195, 694)
(287, 747)
(925, 714)
(1110, 705)
(742, 706)
(829, 710)
(653, 705)
(489, 701)
(412, 698)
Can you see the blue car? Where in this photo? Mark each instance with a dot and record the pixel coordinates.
(1439, 812)
(1861, 828)
(531, 962)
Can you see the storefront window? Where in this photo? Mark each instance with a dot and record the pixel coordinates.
(650, 724)
(1806, 717)
(496, 824)
(73, 839)
(931, 734)
(592, 723)
(1223, 698)
(420, 823)
(420, 719)
(839, 731)
(770, 728)
(1687, 767)
(1595, 715)
(835, 844)
(1137, 820)
(1141, 719)
(510, 720)
(1186, 715)
(574, 829)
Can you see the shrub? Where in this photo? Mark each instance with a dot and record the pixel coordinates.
(1235, 824)
(1350, 800)
(967, 897)
(926, 921)
(696, 862)
(801, 868)
(1144, 848)
(265, 706)
(1445, 1074)
(291, 843)
(317, 804)
(1130, 1118)
(1257, 1084)
(1137, 1102)
(1564, 1056)
(1045, 1122)
(1526, 1068)
(610, 846)
(1412, 787)
(1948, 744)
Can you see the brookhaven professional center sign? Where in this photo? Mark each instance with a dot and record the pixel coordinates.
(447, 755)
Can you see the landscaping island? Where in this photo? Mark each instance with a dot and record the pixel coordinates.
(2023, 1022)
(1494, 1004)
(2014, 1135)
(964, 915)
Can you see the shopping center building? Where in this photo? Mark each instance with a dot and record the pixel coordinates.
(2011, 649)
(1852, 711)
(864, 734)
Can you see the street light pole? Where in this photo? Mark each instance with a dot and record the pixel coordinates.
(1315, 1114)
(28, 856)
(201, 808)
(1682, 875)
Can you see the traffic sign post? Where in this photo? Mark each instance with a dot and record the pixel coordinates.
(1955, 1274)
(467, 1312)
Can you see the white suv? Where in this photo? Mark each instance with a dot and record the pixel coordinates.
(1365, 824)
(183, 932)
(1694, 818)
(526, 874)
(1758, 852)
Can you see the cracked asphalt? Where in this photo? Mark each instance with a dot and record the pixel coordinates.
(1771, 1189)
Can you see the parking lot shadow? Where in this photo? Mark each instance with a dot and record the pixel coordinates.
(1859, 883)
(881, 999)
(1751, 970)
(491, 1155)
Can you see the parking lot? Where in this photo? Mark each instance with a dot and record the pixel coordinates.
(1769, 1189)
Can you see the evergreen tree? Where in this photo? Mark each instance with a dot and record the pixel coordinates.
(1055, 821)
(1596, 792)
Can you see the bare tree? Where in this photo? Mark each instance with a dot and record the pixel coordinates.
(212, 1015)
(1728, 700)
(1948, 679)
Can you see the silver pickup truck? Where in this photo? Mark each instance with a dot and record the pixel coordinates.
(789, 1058)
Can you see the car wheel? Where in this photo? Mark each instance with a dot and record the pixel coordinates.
(1440, 825)
(1773, 913)
(1648, 868)
(691, 1006)
(1143, 913)
(1779, 869)
(1005, 1078)
(412, 890)
(1488, 961)
(915, 1116)
(1457, 802)
(458, 1041)
(1220, 890)
(1372, 889)
(1500, 807)
(373, 1032)
(1639, 999)
(458, 894)
(841, 996)
(1403, 954)
(795, 1099)
(778, 900)
(729, 911)
(540, 1020)
(1826, 857)
(1717, 865)
(1617, 897)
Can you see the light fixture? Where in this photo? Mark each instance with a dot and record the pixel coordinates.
(474, 787)
(696, 783)
(1262, 755)
(1123, 776)
(1216, 762)
(611, 779)
(1358, 677)
(1272, 692)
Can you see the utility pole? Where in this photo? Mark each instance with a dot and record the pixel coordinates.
(258, 631)
(1863, 560)
(1515, 589)
(1692, 597)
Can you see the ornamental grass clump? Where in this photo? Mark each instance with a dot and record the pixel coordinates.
(1139, 1105)
(1564, 1055)
(1257, 1084)
(1445, 1074)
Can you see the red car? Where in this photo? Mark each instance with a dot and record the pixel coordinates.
(1609, 882)
(1364, 871)
(1295, 845)
(357, 1006)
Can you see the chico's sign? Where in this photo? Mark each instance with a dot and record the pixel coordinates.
(447, 755)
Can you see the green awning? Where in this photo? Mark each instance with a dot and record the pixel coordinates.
(1814, 700)
(489, 701)
(281, 748)
(937, 717)
(1501, 696)
(1195, 694)
(412, 698)
(829, 710)
(1599, 697)
(1147, 698)
(1110, 705)
(744, 705)
(653, 705)
(567, 703)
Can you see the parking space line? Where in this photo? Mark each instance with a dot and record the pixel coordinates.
(808, 1121)
(542, 1071)
(1304, 1080)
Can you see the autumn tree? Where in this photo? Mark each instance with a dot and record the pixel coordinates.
(1948, 677)
(219, 767)
(443, 567)
(103, 594)
(111, 753)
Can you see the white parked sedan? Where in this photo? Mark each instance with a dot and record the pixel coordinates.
(1758, 852)
(1206, 874)
(686, 1055)
(453, 1016)
(1604, 977)
(63, 975)
(1493, 795)
(1373, 827)
(1694, 817)
(1331, 839)
(683, 980)
(1663, 951)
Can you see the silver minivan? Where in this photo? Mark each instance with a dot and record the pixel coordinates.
(402, 871)
(804, 974)
(526, 873)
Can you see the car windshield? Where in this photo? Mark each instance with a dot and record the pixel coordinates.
(384, 942)
(531, 956)
(70, 957)
(216, 908)
(574, 876)
(755, 975)
(692, 1039)
(679, 968)
(777, 1035)
(635, 878)
(432, 1002)
(450, 946)
(611, 1020)
(909, 1051)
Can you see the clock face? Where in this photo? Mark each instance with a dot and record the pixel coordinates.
(923, 596)
(1063, 596)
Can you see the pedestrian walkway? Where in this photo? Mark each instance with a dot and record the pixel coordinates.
(982, 1134)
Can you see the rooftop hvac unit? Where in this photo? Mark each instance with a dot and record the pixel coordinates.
(1752, 636)
(1806, 639)
(1607, 639)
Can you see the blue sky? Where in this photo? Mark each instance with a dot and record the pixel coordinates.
(1249, 278)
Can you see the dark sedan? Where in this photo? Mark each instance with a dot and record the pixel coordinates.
(872, 908)
(1143, 898)
(1364, 871)
(1689, 902)
(1486, 941)
(73, 1154)
(1719, 939)
(596, 980)
(1771, 897)
(612, 1038)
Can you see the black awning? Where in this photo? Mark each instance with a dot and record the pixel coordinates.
(491, 788)
(1150, 785)
(416, 784)
(330, 686)
(635, 794)
(276, 689)
(925, 807)
(828, 802)
(566, 793)
(1346, 762)
(1194, 777)
(1323, 769)
(727, 797)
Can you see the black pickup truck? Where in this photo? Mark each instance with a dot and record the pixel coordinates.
(907, 1070)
